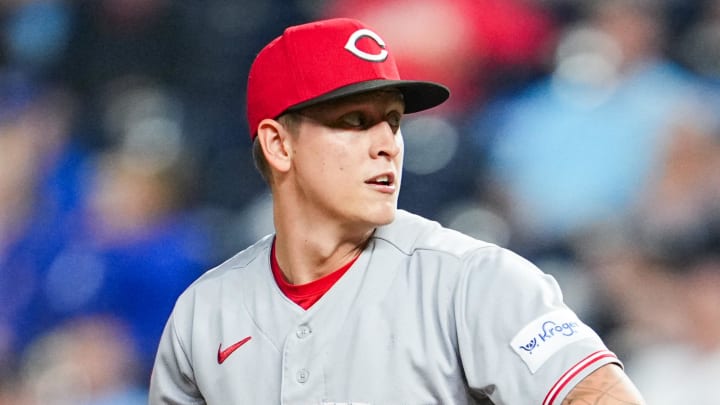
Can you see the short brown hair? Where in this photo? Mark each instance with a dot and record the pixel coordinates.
(291, 122)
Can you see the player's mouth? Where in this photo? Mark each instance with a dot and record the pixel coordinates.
(384, 183)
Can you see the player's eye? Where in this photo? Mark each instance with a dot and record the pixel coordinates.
(393, 119)
(353, 120)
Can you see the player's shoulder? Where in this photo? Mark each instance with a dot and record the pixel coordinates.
(241, 260)
(234, 269)
(410, 233)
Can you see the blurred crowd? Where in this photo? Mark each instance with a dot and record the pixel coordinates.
(582, 134)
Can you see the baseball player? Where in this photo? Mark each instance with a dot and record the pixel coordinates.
(352, 301)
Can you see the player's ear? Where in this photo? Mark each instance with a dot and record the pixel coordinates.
(274, 139)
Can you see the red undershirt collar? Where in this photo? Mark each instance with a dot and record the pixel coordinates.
(305, 295)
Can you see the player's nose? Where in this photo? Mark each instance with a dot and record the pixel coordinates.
(386, 140)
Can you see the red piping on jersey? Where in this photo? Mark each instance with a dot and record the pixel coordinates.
(563, 381)
(305, 295)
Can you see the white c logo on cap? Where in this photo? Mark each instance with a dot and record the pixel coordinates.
(351, 46)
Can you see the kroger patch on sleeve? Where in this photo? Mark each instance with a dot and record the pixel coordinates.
(546, 335)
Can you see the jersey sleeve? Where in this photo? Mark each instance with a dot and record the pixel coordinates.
(172, 381)
(518, 341)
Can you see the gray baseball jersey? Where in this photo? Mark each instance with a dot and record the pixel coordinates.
(425, 315)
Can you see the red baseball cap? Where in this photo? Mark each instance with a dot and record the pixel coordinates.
(326, 60)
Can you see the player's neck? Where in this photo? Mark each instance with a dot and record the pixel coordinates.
(310, 248)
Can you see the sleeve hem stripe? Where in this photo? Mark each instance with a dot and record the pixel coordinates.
(573, 372)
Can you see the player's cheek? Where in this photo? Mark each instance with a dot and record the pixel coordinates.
(400, 142)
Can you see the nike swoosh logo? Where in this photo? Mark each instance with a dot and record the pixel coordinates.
(224, 354)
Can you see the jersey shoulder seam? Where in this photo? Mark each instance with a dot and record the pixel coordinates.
(460, 255)
(184, 350)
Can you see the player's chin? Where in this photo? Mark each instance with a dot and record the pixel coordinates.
(383, 214)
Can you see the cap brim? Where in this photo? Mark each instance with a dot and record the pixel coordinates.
(418, 95)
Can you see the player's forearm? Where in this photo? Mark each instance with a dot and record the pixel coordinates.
(608, 385)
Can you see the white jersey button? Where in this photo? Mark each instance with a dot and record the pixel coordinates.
(302, 375)
(303, 331)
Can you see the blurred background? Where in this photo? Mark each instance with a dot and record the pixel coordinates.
(582, 134)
